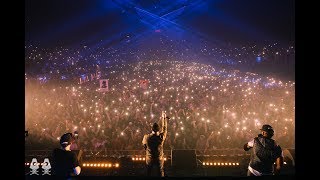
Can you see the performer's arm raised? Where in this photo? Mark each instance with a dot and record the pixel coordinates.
(164, 125)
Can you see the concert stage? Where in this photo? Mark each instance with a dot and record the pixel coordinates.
(178, 163)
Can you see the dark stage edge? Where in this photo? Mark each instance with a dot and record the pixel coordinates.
(144, 177)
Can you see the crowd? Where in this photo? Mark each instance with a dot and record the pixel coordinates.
(210, 107)
(72, 62)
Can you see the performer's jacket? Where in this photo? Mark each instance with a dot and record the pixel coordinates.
(154, 146)
(264, 154)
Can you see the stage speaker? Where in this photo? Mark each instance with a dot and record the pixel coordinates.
(184, 160)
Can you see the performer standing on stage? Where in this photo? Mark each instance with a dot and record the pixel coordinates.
(153, 144)
(265, 152)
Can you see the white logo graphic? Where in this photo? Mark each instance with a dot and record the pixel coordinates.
(46, 166)
(34, 166)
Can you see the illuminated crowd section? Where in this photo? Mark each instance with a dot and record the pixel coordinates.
(210, 108)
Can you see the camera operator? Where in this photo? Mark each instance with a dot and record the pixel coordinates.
(64, 161)
(153, 144)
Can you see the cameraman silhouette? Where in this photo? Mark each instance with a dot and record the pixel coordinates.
(64, 161)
